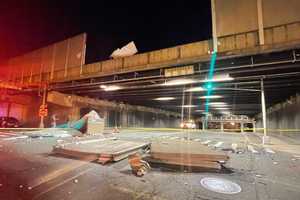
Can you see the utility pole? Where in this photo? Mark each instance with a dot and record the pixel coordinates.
(190, 103)
(182, 105)
(263, 108)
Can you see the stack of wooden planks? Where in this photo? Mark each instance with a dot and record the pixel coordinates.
(186, 153)
(102, 150)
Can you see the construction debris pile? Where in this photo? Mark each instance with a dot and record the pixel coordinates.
(189, 154)
(99, 149)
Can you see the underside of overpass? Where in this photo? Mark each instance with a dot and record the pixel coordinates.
(237, 83)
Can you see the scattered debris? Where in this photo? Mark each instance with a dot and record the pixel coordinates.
(268, 150)
(218, 144)
(115, 130)
(296, 156)
(251, 148)
(234, 147)
(206, 142)
(75, 181)
(139, 167)
(275, 163)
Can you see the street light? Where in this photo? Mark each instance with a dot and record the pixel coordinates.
(195, 89)
(110, 87)
(179, 82)
(211, 97)
(164, 98)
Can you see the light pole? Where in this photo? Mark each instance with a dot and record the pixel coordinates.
(263, 108)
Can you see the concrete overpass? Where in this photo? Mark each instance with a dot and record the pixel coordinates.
(142, 77)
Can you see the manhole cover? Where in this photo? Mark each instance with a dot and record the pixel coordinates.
(220, 185)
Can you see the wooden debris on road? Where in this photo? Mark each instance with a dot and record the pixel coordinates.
(187, 154)
(139, 167)
(102, 150)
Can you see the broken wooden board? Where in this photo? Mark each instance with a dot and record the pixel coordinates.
(102, 150)
(177, 163)
(186, 153)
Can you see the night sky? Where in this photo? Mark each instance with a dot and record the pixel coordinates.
(27, 25)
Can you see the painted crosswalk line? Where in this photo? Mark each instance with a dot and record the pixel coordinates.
(16, 137)
(4, 136)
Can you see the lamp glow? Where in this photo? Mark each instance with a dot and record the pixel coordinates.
(195, 89)
(112, 88)
(221, 108)
(188, 106)
(164, 98)
(211, 97)
(179, 82)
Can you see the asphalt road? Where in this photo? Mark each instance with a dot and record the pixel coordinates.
(28, 170)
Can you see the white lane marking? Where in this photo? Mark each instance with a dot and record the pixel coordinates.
(8, 134)
(234, 146)
(218, 144)
(251, 148)
(14, 138)
(3, 135)
(206, 142)
(268, 150)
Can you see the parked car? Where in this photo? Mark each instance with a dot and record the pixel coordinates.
(9, 122)
(188, 124)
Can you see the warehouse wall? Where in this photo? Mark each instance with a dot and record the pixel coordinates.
(283, 116)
